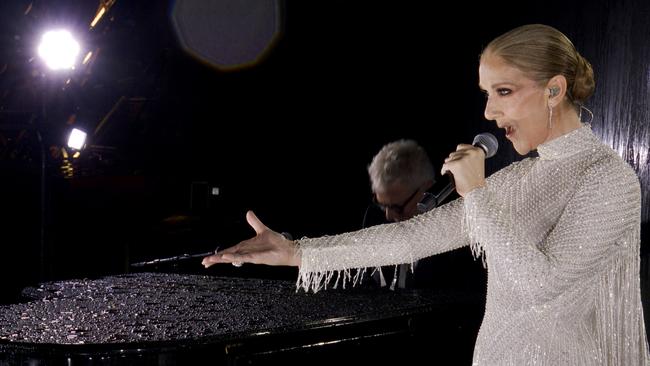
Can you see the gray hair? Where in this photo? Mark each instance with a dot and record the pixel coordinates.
(401, 161)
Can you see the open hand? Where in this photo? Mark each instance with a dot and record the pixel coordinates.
(266, 247)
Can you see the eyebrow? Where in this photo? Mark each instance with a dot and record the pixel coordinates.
(497, 85)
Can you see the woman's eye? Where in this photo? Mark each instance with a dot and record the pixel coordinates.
(503, 91)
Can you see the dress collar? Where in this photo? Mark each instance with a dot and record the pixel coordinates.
(569, 144)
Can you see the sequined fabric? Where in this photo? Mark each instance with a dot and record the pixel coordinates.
(560, 238)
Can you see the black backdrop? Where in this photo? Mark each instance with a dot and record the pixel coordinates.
(289, 137)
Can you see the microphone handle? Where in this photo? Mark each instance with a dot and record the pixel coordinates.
(181, 257)
(445, 191)
(173, 259)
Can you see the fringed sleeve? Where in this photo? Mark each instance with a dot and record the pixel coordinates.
(343, 258)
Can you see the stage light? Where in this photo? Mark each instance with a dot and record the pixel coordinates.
(104, 6)
(87, 57)
(98, 16)
(77, 139)
(59, 49)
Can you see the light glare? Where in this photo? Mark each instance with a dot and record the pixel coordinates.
(58, 49)
(77, 139)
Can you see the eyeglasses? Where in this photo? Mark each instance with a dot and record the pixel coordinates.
(398, 209)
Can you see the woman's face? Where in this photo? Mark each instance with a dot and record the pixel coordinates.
(517, 104)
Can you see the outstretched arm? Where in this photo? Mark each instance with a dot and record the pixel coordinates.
(266, 247)
(435, 232)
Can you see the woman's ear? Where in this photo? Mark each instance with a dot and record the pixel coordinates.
(556, 90)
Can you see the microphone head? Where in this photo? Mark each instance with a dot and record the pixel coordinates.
(487, 142)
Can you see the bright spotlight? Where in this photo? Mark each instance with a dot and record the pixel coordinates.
(58, 49)
(77, 139)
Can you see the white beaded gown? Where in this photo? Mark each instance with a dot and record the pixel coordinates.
(560, 237)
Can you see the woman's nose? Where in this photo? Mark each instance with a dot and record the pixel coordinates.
(489, 113)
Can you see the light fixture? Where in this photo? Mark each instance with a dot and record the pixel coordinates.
(104, 5)
(77, 139)
(58, 49)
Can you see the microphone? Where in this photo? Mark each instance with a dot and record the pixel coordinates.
(428, 202)
(485, 141)
(175, 258)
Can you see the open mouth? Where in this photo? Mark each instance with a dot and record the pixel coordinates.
(509, 131)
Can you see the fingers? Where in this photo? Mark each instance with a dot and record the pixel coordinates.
(239, 257)
(230, 257)
(467, 165)
(462, 151)
(266, 247)
(221, 258)
(444, 169)
(255, 223)
(450, 162)
(456, 155)
(213, 259)
(237, 253)
(218, 256)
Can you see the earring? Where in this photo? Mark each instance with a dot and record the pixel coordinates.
(554, 91)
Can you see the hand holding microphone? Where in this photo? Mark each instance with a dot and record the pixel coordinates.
(467, 164)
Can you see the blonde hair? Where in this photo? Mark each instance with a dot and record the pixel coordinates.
(543, 52)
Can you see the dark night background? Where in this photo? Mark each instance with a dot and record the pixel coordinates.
(289, 136)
